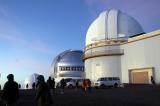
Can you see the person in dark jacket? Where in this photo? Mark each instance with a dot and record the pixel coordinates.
(10, 93)
(62, 85)
(77, 84)
(19, 86)
(43, 96)
(51, 84)
(27, 86)
(152, 80)
(33, 85)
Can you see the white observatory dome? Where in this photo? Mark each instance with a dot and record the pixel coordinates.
(112, 24)
(30, 80)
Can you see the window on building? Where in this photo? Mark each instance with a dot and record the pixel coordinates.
(67, 68)
(63, 69)
(73, 68)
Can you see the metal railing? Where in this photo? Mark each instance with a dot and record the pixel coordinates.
(106, 42)
(91, 54)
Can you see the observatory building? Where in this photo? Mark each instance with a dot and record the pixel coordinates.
(116, 46)
(68, 64)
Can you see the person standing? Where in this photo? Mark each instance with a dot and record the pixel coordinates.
(19, 86)
(152, 80)
(77, 84)
(34, 85)
(89, 85)
(27, 86)
(50, 84)
(53, 85)
(84, 86)
(10, 93)
(63, 84)
(43, 96)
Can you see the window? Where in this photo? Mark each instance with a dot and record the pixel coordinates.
(82, 68)
(61, 68)
(67, 68)
(110, 79)
(78, 69)
(102, 79)
(115, 78)
(73, 68)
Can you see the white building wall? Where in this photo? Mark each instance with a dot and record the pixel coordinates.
(104, 66)
(141, 54)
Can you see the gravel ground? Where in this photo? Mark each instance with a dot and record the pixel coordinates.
(144, 95)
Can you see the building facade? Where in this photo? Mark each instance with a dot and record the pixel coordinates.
(116, 46)
(141, 58)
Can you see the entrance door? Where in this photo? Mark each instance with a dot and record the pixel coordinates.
(140, 77)
(97, 72)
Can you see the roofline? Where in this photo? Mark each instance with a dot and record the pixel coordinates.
(143, 36)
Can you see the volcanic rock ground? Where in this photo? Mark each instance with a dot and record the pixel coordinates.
(131, 95)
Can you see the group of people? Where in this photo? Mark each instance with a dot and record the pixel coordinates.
(33, 86)
(51, 84)
(86, 85)
(43, 95)
(10, 94)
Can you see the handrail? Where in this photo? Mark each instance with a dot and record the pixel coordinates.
(109, 42)
(98, 53)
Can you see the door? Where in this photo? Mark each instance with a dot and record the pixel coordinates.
(97, 72)
(140, 77)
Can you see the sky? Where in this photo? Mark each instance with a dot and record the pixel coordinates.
(33, 32)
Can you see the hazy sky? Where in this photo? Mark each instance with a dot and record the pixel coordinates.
(33, 32)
